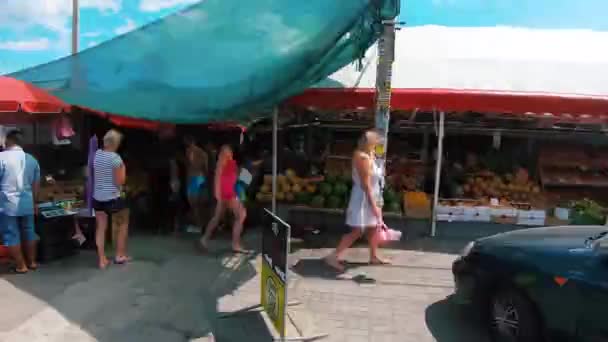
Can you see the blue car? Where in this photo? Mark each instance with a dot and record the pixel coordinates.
(538, 285)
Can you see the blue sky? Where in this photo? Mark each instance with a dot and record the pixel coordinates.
(37, 31)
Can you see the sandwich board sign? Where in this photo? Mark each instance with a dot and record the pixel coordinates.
(275, 251)
(274, 280)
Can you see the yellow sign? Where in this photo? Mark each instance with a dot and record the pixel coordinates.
(273, 297)
(379, 150)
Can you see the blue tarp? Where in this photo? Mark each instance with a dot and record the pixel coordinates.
(217, 60)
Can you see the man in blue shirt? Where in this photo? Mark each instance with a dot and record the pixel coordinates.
(19, 187)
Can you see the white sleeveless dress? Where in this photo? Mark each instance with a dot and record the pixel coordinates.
(359, 213)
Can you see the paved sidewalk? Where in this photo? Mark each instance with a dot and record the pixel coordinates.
(403, 302)
(172, 294)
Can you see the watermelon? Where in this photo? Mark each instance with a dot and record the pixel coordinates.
(333, 202)
(318, 201)
(342, 179)
(340, 189)
(349, 183)
(331, 179)
(325, 189)
(303, 198)
(389, 195)
(392, 207)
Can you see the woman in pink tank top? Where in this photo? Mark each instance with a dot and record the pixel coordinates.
(226, 174)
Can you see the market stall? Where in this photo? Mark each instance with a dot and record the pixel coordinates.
(48, 133)
(505, 90)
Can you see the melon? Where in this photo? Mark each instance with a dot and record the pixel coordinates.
(318, 201)
(330, 179)
(291, 174)
(303, 197)
(392, 207)
(325, 189)
(334, 202)
(296, 188)
(340, 189)
(389, 195)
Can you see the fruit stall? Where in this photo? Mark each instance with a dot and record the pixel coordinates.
(317, 194)
(474, 101)
(495, 171)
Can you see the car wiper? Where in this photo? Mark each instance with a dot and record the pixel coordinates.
(589, 241)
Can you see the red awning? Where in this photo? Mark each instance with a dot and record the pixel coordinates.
(128, 122)
(18, 96)
(452, 100)
(482, 69)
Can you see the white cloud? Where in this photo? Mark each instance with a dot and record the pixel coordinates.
(157, 5)
(93, 34)
(102, 5)
(25, 45)
(127, 27)
(50, 14)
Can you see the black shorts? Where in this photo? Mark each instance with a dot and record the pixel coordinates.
(110, 207)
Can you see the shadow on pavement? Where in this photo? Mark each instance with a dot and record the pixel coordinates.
(169, 293)
(448, 322)
(328, 239)
(316, 268)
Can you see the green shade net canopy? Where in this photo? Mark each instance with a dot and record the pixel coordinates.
(217, 60)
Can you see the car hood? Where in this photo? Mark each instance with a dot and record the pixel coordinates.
(548, 238)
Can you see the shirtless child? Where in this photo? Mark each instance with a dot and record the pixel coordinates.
(197, 165)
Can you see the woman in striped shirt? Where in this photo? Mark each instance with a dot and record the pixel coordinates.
(110, 175)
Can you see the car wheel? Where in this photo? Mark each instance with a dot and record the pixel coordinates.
(513, 318)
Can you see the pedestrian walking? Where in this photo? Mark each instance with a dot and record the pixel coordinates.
(19, 189)
(110, 174)
(224, 187)
(364, 212)
(197, 164)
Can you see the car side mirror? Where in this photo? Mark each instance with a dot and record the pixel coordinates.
(600, 247)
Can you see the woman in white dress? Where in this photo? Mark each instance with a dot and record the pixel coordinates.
(364, 213)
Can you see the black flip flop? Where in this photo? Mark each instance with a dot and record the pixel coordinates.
(14, 270)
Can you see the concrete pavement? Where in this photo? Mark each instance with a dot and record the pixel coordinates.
(172, 294)
(406, 301)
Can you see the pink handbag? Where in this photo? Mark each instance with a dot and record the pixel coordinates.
(387, 234)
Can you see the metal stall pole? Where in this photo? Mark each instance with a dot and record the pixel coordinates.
(275, 128)
(75, 26)
(438, 163)
(384, 70)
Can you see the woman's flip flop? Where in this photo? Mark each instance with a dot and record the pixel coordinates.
(242, 251)
(122, 260)
(379, 262)
(14, 270)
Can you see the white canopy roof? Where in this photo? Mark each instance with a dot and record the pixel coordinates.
(491, 58)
